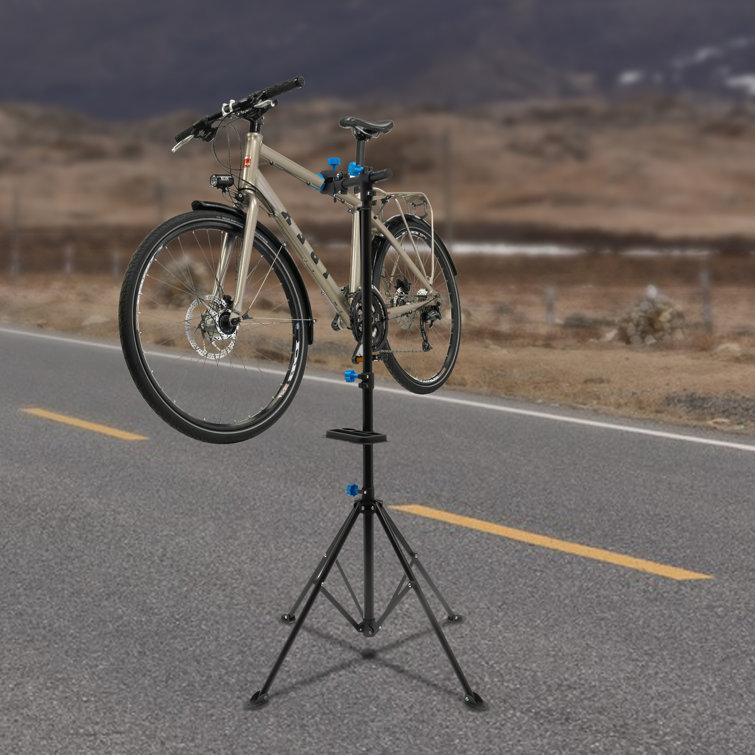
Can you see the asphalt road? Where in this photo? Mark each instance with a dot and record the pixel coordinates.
(141, 581)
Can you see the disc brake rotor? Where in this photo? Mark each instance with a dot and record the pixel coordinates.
(205, 328)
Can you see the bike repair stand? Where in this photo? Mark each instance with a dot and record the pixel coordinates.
(367, 505)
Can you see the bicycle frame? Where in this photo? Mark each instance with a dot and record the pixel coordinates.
(256, 191)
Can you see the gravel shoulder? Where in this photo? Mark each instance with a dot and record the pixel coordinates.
(700, 380)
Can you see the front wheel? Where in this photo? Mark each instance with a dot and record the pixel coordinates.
(419, 289)
(205, 372)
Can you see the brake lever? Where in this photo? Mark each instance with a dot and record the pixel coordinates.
(183, 141)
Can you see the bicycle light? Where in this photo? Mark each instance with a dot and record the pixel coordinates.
(221, 181)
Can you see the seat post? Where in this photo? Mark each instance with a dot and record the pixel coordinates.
(361, 141)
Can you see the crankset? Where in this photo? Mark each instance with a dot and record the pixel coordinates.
(379, 318)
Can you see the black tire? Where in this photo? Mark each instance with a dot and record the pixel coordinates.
(179, 345)
(418, 369)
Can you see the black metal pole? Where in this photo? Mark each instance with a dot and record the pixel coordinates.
(367, 385)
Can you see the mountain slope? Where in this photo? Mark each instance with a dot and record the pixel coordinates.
(145, 57)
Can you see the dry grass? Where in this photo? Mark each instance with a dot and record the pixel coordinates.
(508, 349)
(605, 177)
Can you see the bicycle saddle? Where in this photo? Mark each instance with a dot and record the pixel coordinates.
(365, 129)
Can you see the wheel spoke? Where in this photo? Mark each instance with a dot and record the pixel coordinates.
(172, 306)
(423, 343)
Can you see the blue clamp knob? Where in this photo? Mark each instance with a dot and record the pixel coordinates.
(352, 489)
(334, 162)
(355, 169)
(350, 376)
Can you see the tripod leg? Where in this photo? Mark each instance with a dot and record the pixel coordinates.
(290, 617)
(260, 697)
(471, 698)
(450, 615)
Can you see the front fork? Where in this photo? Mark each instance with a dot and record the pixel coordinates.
(249, 169)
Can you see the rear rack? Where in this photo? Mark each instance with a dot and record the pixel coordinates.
(408, 203)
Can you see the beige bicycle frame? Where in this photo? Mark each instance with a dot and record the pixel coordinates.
(256, 190)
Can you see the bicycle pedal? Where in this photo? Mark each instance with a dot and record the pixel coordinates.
(358, 358)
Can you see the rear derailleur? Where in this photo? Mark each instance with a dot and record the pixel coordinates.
(426, 319)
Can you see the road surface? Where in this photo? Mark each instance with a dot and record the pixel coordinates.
(605, 571)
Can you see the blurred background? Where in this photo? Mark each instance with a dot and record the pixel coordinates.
(591, 164)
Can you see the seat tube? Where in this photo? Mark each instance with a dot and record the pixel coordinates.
(356, 255)
(356, 233)
(249, 169)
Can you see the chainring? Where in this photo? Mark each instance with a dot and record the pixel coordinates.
(379, 318)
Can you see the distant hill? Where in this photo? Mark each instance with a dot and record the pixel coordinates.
(146, 57)
(653, 171)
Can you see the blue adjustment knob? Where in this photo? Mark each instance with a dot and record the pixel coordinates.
(334, 162)
(350, 376)
(352, 489)
(355, 169)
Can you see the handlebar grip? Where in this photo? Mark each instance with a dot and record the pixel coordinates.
(181, 135)
(195, 127)
(282, 88)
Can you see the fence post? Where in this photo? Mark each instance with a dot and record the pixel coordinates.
(68, 254)
(15, 253)
(116, 258)
(15, 260)
(550, 306)
(448, 176)
(707, 306)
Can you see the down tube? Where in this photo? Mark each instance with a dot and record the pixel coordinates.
(304, 250)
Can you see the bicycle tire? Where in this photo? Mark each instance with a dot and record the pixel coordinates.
(189, 368)
(416, 368)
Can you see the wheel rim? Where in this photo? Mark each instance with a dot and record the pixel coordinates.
(437, 318)
(223, 381)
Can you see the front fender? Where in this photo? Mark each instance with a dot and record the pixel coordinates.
(285, 256)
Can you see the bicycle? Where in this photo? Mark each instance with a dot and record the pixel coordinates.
(212, 296)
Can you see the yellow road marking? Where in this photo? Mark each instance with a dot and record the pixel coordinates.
(113, 432)
(543, 541)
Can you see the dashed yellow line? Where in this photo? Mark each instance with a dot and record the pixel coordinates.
(83, 424)
(586, 551)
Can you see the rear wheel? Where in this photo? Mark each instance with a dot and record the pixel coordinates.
(423, 344)
(205, 373)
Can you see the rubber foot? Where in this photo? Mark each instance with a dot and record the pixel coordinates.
(454, 618)
(474, 702)
(288, 618)
(258, 700)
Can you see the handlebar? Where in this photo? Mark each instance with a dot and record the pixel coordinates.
(204, 127)
(277, 89)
